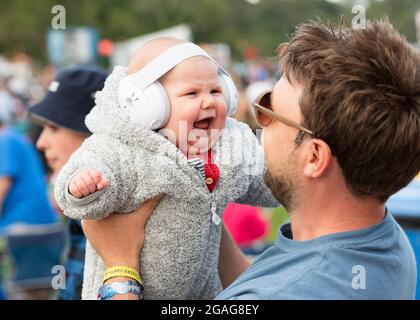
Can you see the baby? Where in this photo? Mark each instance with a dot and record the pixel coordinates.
(161, 127)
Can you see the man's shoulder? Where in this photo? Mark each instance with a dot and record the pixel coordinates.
(375, 263)
(378, 266)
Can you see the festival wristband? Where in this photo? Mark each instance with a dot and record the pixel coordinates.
(121, 271)
(107, 291)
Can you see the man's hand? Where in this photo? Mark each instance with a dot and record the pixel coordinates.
(87, 182)
(118, 238)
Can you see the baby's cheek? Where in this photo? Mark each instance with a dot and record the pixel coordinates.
(220, 122)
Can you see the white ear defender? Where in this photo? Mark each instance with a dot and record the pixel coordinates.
(146, 99)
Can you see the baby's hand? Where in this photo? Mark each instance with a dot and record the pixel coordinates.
(87, 182)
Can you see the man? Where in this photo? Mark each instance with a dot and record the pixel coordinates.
(24, 207)
(62, 114)
(341, 134)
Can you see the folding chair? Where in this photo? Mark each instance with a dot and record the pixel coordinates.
(34, 250)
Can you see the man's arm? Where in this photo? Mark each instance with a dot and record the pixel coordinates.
(5, 185)
(118, 239)
(232, 262)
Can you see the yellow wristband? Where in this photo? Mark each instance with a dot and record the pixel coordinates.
(121, 271)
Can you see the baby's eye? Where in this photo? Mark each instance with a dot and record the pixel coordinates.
(216, 91)
(191, 93)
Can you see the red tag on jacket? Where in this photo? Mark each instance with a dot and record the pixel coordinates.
(212, 175)
(211, 170)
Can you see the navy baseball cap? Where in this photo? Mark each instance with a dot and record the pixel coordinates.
(70, 98)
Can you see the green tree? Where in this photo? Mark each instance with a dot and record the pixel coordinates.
(23, 23)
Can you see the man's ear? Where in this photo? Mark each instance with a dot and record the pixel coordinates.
(318, 157)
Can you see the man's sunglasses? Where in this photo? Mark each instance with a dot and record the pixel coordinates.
(264, 113)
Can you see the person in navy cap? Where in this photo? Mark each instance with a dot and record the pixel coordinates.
(62, 115)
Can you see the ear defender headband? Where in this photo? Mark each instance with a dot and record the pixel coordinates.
(146, 99)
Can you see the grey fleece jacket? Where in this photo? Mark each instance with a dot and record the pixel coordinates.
(179, 259)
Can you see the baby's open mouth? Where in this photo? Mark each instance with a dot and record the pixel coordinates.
(205, 120)
(203, 124)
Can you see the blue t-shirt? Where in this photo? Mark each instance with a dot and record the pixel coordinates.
(27, 200)
(371, 263)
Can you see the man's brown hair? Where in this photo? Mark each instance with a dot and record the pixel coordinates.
(362, 96)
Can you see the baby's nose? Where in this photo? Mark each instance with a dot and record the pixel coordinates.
(208, 102)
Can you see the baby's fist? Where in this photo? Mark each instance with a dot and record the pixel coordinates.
(87, 182)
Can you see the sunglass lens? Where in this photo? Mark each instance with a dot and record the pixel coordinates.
(263, 119)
